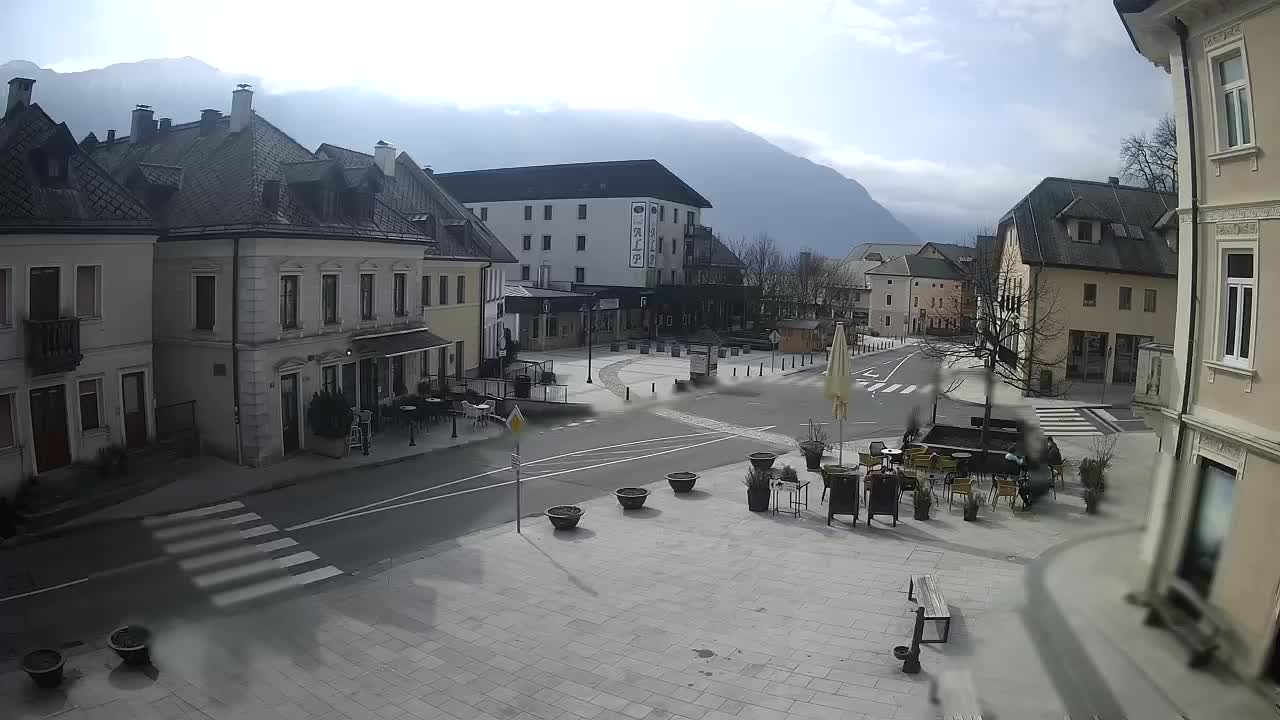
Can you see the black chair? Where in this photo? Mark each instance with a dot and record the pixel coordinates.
(877, 448)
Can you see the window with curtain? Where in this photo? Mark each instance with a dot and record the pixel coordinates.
(288, 301)
(329, 379)
(1237, 308)
(1149, 300)
(88, 290)
(1233, 100)
(398, 283)
(90, 404)
(329, 299)
(1090, 295)
(366, 296)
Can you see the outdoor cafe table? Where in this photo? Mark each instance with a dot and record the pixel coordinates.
(894, 455)
(434, 407)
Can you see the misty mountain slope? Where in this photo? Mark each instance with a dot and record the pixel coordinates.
(754, 185)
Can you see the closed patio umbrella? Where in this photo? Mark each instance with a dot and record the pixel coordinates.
(838, 386)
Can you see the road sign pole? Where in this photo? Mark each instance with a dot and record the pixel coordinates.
(515, 463)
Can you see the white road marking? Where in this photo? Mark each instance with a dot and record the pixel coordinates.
(274, 585)
(212, 541)
(908, 389)
(899, 365)
(191, 514)
(196, 528)
(892, 388)
(44, 590)
(875, 387)
(222, 557)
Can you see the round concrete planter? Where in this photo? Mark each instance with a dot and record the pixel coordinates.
(762, 460)
(44, 667)
(564, 517)
(683, 481)
(631, 498)
(132, 644)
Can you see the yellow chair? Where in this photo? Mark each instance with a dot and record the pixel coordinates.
(868, 460)
(960, 486)
(1004, 487)
(1058, 475)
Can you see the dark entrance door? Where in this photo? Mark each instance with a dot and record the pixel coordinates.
(133, 397)
(442, 358)
(457, 361)
(369, 384)
(44, 290)
(49, 427)
(289, 413)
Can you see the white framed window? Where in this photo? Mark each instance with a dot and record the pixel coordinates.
(8, 428)
(6, 297)
(204, 297)
(399, 285)
(90, 392)
(88, 291)
(580, 274)
(289, 301)
(1232, 104)
(1090, 294)
(366, 296)
(888, 300)
(1149, 300)
(329, 379)
(1237, 307)
(329, 299)
(1084, 231)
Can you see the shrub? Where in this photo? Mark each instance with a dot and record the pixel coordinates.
(913, 428)
(788, 474)
(329, 415)
(815, 434)
(756, 479)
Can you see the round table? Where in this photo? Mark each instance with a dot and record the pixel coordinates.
(962, 462)
(410, 412)
(893, 454)
(433, 405)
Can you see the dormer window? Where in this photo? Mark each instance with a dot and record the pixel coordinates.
(51, 166)
(1084, 231)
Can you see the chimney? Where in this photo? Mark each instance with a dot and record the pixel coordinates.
(141, 125)
(428, 170)
(111, 135)
(165, 124)
(19, 92)
(384, 156)
(208, 118)
(1113, 180)
(241, 107)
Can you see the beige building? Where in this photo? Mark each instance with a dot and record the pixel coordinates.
(927, 292)
(75, 301)
(283, 272)
(1094, 264)
(1207, 392)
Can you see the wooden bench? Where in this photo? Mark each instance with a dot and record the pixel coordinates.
(1193, 622)
(935, 606)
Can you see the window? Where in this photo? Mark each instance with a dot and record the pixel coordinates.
(890, 282)
(462, 289)
(546, 212)
(526, 242)
(524, 272)
(205, 296)
(1233, 100)
(546, 240)
(366, 296)
(88, 290)
(1126, 298)
(1149, 301)
(688, 217)
(484, 214)
(398, 283)
(553, 326)
(329, 299)
(582, 211)
(580, 274)
(662, 213)
(528, 214)
(7, 437)
(888, 300)
(443, 297)
(931, 300)
(329, 379)
(1215, 504)
(5, 284)
(90, 404)
(673, 277)
(537, 327)
(886, 321)
(582, 243)
(426, 291)
(397, 375)
(660, 244)
(1237, 311)
(1084, 231)
(1090, 295)
(916, 300)
(288, 301)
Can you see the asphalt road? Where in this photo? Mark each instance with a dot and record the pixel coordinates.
(74, 588)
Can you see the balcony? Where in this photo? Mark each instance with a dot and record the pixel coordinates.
(53, 346)
(1155, 381)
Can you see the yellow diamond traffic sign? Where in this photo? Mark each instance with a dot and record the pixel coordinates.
(516, 420)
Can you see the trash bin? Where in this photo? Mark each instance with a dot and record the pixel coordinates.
(523, 384)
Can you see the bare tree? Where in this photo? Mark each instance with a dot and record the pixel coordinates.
(1152, 160)
(763, 269)
(1016, 318)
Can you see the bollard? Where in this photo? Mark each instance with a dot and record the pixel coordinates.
(735, 371)
(455, 424)
(628, 393)
(748, 371)
(910, 656)
(760, 373)
(413, 425)
(653, 387)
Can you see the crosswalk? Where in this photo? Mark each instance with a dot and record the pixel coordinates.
(815, 379)
(234, 555)
(1066, 422)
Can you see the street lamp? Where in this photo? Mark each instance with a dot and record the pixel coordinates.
(590, 332)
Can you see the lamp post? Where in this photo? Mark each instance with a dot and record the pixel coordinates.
(590, 332)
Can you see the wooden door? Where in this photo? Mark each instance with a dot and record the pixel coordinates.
(49, 427)
(133, 400)
(289, 412)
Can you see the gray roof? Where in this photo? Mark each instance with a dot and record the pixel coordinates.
(612, 179)
(1130, 241)
(852, 273)
(916, 266)
(89, 199)
(800, 324)
(886, 251)
(537, 292)
(955, 253)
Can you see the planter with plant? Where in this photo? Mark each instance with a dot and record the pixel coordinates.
(922, 501)
(564, 517)
(814, 445)
(1093, 471)
(762, 460)
(972, 503)
(661, 346)
(683, 481)
(329, 418)
(112, 460)
(912, 431)
(44, 667)
(757, 482)
(133, 644)
(631, 498)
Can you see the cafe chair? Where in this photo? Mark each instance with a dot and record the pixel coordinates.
(1003, 487)
(962, 486)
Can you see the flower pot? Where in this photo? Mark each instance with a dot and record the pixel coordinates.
(631, 344)
(762, 460)
(970, 514)
(900, 652)
(723, 352)
(1091, 498)
(734, 351)
(334, 447)
(564, 517)
(675, 351)
(758, 499)
(812, 454)
(132, 644)
(682, 482)
(662, 347)
(631, 498)
(44, 667)
(921, 512)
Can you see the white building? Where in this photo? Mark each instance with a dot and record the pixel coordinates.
(75, 301)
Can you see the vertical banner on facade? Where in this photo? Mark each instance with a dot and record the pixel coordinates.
(638, 236)
(652, 230)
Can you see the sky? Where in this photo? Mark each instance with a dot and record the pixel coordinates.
(947, 111)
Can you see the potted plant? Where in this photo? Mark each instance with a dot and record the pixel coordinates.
(746, 349)
(1094, 482)
(912, 431)
(813, 446)
(564, 517)
(682, 482)
(329, 418)
(757, 482)
(132, 644)
(44, 667)
(762, 460)
(972, 502)
(112, 460)
(662, 346)
(788, 474)
(922, 501)
(631, 498)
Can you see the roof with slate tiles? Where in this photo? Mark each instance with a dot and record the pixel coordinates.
(613, 179)
(917, 266)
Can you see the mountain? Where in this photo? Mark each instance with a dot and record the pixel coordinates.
(754, 185)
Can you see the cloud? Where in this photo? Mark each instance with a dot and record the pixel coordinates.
(1083, 27)
(903, 33)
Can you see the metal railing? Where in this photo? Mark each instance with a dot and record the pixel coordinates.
(53, 345)
(505, 389)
